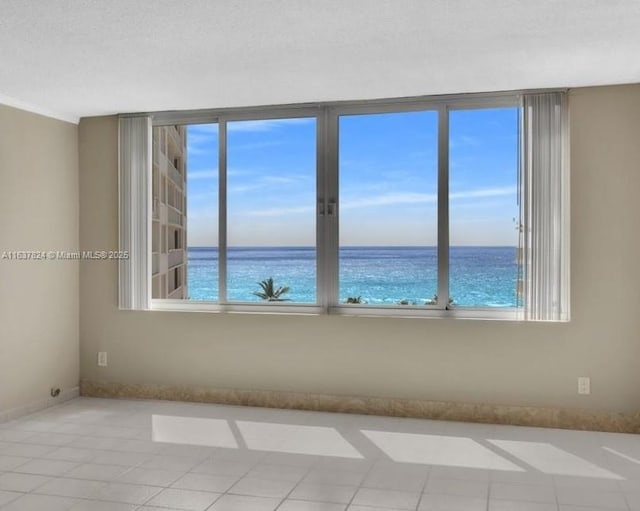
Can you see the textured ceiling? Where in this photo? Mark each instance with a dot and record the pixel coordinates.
(75, 58)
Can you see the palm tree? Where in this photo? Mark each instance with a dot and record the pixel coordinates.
(269, 293)
(434, 301)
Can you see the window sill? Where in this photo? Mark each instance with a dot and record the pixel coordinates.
(502, 314)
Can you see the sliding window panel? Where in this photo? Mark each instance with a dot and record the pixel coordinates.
(271, 218)
(388, 186)
(202, 212)
(483, 207)
(184, 212)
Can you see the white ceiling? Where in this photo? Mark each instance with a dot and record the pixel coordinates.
(76, 58)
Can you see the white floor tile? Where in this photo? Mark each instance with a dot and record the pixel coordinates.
(520, 505)
(435, 502)
(150, 476)
(163, 462)
(205, 482)
(395, 477)
(56, 439)
(296, 460)
(189, 500)
(26, 450)
(96, 472)
(583, 497)
(8, 496)
(629, 485)
(11, 462)
(72, 488)
(525, 492)
(386, 498)
(31, 423)
(76, 454)
(248, 457)
(334, 493)
(10, 481)
(563, 507)
(633, 499)
(99, 505)
(463, 473)
(590, 483)
(129, 459)
(306, 505)
(326, 476)
(262, 487)
(40, 503)
(46, 467)
(223, 468)
(526, 477)
(96, 443)
(10, 435)
(187, 451)
(244, 503)
(140, 446)
(127, 493)
(282, 472)
(114, 432)
(369, 508)
(346, 464)
(457, 487)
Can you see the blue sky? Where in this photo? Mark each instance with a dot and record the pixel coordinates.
(388, 185)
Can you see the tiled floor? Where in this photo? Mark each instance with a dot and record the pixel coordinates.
(113, 455)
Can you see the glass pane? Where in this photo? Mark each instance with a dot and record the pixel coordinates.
(271, 197)
(185, 212)
(388, 179)
(202, 211)
(483, 207)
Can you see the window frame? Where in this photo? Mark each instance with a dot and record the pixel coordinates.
(327, 243)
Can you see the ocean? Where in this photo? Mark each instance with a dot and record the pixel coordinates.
(479, 276)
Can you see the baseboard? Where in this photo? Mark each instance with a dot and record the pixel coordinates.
(36, 406)
(565, 418)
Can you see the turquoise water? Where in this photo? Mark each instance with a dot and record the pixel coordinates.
(479, 276)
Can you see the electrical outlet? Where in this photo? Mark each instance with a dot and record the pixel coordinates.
(102, 358)
(584, 385)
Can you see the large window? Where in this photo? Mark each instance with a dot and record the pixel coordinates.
(406, 207)
(264, 207)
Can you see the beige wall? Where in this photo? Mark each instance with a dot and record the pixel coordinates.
(39, 323)
(439, 359)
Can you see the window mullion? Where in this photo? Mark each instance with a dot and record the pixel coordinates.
(331, 211)
(443, 207)
(222, 211)
(321, 252)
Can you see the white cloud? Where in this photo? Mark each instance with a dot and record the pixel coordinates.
(423, 198)
(201, 143)
(272, 212)
(389, 199)
(266, 124)
(202, 174)
(268, 183)
(257, 145)
(485, 192)
(464, 141)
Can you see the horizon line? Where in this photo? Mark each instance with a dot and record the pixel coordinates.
(351, 246)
